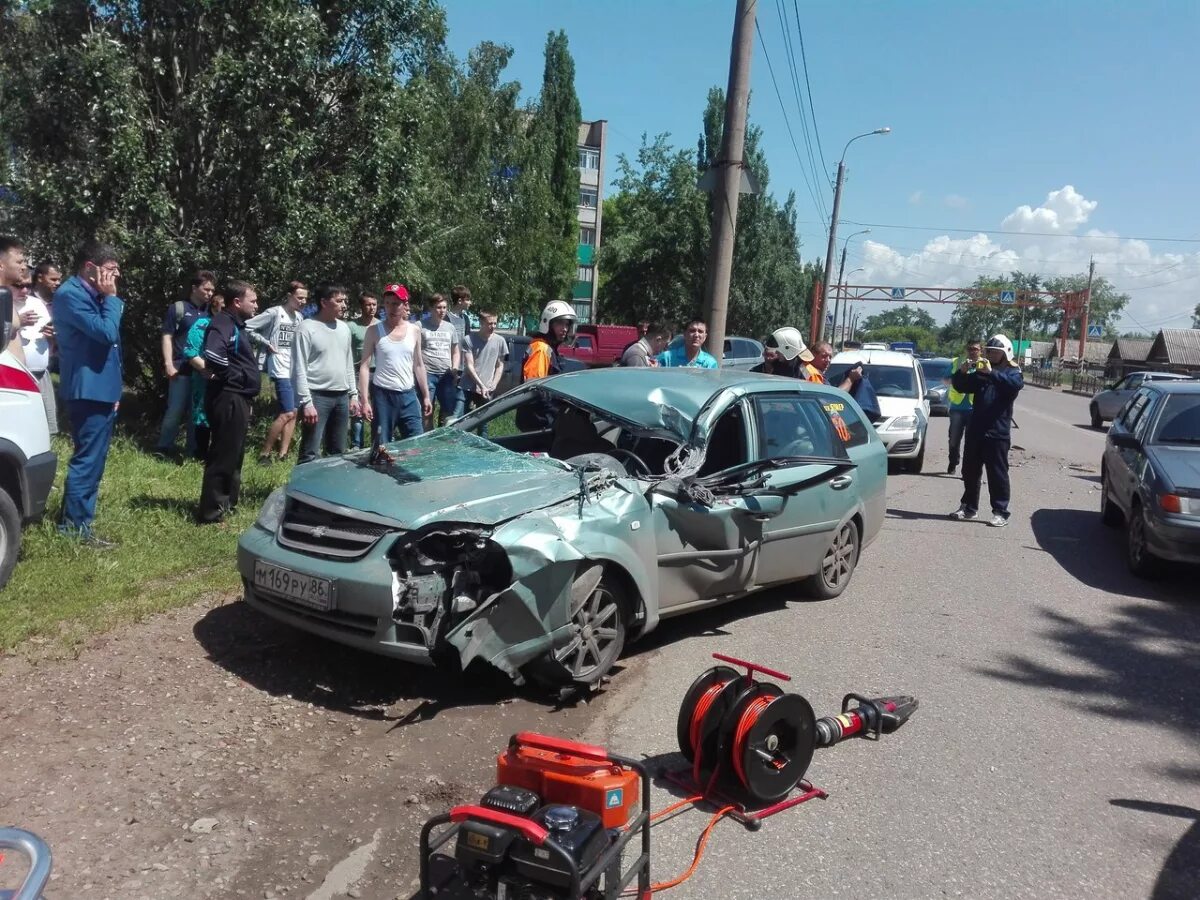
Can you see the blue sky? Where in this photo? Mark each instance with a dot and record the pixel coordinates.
(1070, 118)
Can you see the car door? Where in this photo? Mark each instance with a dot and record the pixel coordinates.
(795, 423)
(1121, 462)
(706, 551)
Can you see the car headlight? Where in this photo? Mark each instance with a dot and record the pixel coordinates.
(272, 511)
(902, 423)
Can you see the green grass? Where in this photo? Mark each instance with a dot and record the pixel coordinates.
(62, 592)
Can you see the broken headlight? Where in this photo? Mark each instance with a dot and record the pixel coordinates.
(272, 511)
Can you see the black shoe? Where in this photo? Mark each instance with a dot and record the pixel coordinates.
(266, 459)
(950, 469)
(93, 541)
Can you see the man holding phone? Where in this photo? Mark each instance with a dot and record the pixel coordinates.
(87, 316)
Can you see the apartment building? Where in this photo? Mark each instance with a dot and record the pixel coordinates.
(592, 150)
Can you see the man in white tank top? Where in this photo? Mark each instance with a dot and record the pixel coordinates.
(397, 389)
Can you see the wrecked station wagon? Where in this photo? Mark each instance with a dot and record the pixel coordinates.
(543, 552)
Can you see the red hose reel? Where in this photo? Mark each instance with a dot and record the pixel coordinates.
(751, 741)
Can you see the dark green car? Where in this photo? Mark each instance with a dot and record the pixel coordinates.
(543, 551)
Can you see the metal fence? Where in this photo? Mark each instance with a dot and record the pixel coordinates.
(1087, 383)
(1045, 378)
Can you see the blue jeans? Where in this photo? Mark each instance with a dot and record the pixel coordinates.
(179, 408)
(959, 420)
(333, 422)
(392, 409)
(91, 430)
(460, 398)
(443, 390)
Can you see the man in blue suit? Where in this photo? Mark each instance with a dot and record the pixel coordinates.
(87, 320)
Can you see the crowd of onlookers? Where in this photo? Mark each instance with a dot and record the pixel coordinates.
(349, 378)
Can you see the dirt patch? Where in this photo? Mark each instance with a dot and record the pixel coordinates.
(212, 752)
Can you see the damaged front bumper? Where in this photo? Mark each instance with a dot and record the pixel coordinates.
(362, 611)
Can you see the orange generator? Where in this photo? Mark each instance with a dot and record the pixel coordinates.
(572, 774)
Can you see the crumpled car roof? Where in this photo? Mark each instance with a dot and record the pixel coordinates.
(666, 400)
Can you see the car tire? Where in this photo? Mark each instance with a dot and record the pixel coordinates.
(1097, 422)
(1110, 513)
(581, 661)
(917, 463)
(1142, 562)
(10, 536)
(837, 565)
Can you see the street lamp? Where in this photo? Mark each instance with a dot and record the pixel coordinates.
(833, 219)
(846, 311)
(841, 266)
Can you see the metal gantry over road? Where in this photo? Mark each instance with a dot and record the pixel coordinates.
(1074, 304)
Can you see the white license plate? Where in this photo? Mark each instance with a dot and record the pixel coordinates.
(307, 590)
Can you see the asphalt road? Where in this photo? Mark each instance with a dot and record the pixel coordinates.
(212, 753)
(1055, 751)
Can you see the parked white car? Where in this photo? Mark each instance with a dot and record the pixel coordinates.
(900, 386)
(27, 464)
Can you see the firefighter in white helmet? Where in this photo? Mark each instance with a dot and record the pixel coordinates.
(558, 320)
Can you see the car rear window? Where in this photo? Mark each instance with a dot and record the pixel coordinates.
(1179, 422)
(888, 381)
(935, 369)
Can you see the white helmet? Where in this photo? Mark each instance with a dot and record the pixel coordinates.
(557, 309)
(790, 344)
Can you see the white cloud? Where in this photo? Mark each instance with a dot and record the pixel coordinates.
(956, 201)
(915, 198)
(1164, 286)
(1064, 211)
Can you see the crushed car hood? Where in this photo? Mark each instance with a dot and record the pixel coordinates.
(444, 474)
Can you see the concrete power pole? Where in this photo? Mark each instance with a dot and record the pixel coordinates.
(729, 166)
(1087, 305)
(819, 327)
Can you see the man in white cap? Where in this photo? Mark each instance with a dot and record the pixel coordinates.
(995, 385)
(784, 353)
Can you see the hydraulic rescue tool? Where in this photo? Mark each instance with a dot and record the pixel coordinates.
(562, 815)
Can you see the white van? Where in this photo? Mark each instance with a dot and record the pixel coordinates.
(900, 386)
(27, 464)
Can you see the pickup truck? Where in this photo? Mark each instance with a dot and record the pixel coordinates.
(599, 345)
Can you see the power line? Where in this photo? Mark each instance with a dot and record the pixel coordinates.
(808, 87)
(1107, 237)
(796, 93)
(786, 121)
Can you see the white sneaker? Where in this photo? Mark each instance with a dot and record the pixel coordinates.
(998, 521)
(963, 513)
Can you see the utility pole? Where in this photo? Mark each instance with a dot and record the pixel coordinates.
(1087, 304)
(837, 300)
(833, 220)
(729, 165)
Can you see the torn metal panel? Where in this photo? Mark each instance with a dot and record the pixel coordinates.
(549, 551)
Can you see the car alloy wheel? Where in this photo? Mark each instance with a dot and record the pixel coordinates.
(598, 631)
(1141, 561)
(838, 564)
(1110, 515)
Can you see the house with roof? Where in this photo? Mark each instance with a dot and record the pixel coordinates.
(1176, 350)
(1128, 355)
(1095, 354)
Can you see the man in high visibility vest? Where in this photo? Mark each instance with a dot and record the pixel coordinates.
(960, 404)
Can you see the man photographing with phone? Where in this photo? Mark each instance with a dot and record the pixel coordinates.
(87, 316)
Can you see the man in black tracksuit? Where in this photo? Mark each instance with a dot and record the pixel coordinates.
(995, 385)
(232, 370)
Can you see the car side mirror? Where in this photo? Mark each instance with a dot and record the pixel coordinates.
(1125, 440)
(930, 395)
